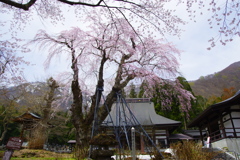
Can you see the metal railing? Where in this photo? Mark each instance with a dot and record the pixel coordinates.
(224, 133)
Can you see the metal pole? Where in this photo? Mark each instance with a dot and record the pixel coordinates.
(141, 127)
(95, 124)
(133, 144)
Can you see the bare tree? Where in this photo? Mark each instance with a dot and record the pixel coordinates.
(10, 74)
(9, 108)
(39, 133)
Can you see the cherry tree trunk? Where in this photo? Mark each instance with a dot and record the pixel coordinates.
(82, 128)
(83, 122)
(82, 141)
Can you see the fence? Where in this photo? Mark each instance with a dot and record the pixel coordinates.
(59, 148)
(225, 133)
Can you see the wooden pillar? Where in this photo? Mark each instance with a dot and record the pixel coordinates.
(209, 130)
(167, 136)
(222, 126)
(201, 135)
(142, 143)
(22, 131)
(153, 135)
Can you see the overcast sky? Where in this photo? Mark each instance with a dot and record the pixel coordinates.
(195, 59)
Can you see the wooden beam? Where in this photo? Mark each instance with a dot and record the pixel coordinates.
(234, 130)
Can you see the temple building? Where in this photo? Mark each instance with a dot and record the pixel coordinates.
(222, 123)
(28, 120)
(142, 112)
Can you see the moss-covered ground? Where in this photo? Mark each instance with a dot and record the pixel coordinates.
(29, 154)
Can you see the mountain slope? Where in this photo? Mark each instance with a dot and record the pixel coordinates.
(33, 94)
(215, 83)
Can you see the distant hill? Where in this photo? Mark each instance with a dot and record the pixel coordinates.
(32, 94)
(205, 86)
(215, 83)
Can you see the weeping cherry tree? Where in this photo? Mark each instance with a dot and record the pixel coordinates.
(109, 55)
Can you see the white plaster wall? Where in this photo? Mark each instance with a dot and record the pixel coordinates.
(228, 124)
(226, 117)
(235, 114)
(236, 122)
(219, 144)
(233, 144)
(161, 137)
(237, 125)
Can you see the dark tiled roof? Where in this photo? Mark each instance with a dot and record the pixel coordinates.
(179, 136)
(235, 100)
(137, 100)
(144, 113)
(28, 116)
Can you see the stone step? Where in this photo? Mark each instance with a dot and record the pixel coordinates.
(222, 155)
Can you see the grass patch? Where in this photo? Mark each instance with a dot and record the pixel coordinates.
(43, 158)
(1, 154)
(189, 150)
(27, 154)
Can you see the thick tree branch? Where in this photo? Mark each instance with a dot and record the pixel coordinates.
(32, 2)
(119, 85)
(19, 5)
(76, 90)
(103, 112)
(52, 84)
(100, 84)
(83, 3)
(3, 67)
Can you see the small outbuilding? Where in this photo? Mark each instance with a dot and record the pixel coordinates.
(28, 120)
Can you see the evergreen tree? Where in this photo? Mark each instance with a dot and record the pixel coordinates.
(132, 93)
(142, 90)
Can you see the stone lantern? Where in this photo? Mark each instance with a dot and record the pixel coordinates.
(101, 143)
